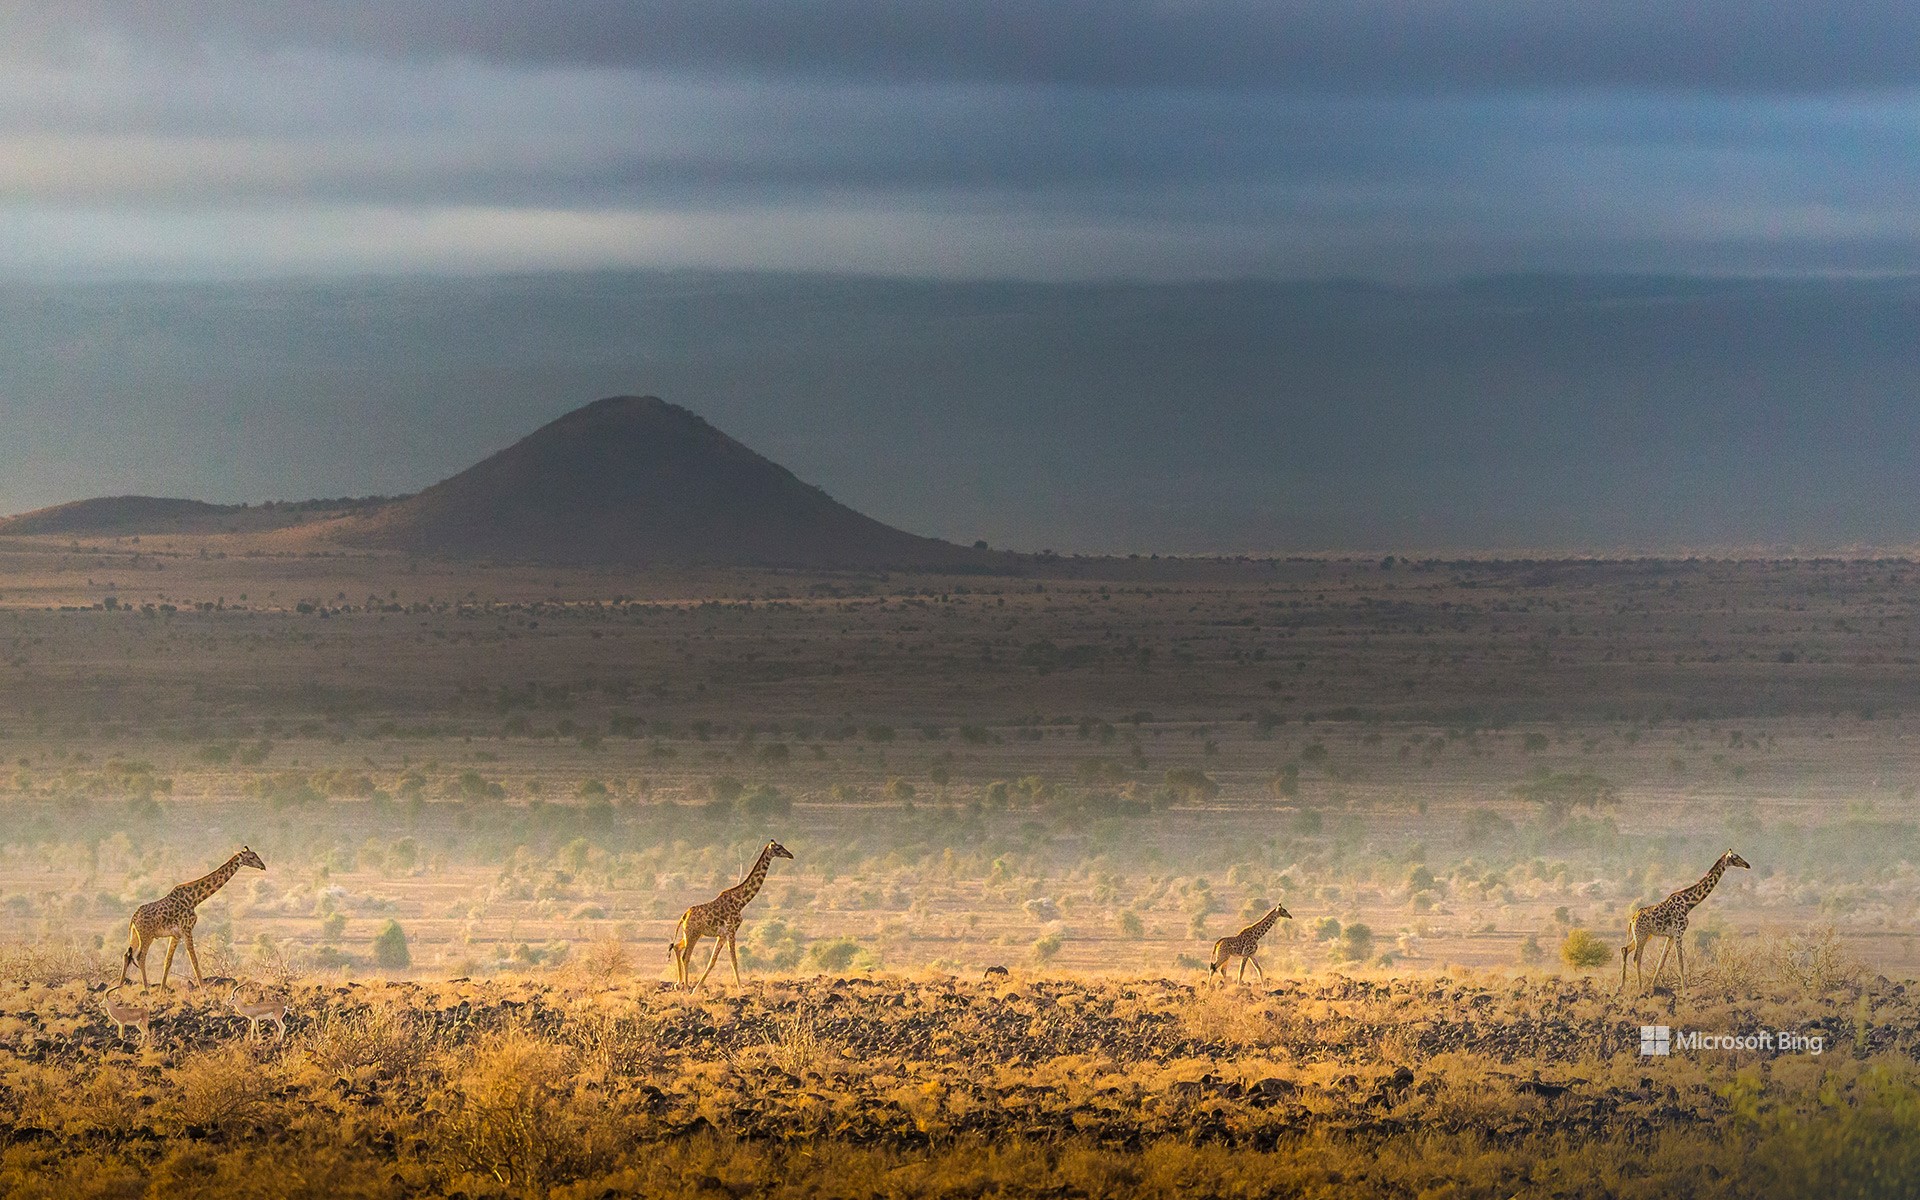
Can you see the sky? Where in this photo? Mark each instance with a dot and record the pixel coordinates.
(1160, 275)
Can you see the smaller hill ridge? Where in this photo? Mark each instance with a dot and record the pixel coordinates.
(118, 515)
(633, 481)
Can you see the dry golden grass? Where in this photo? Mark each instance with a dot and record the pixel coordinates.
(1474, 1086)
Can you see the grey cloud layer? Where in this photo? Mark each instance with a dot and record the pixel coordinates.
(99, 156)
(1739, 45)
(1161, 139)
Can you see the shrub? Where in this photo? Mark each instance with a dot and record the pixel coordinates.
(1356, 942)
(1559, 792)
(1047, 947)
(390, 947)
(764, 801)
(833, 954)
(775, 945)
(1191, 785)
(1583, 950)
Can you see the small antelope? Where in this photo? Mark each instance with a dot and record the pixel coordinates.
(266, 1010)
(123, 1015)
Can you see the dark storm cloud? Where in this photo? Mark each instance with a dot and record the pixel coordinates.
(1730, 45)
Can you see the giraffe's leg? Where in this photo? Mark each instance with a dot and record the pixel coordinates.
(734, 955)
(1680, 947)
(1257, 970)
(683, 959)
(718, 946)
(1244, 960)
(1662, 964)
(194, 958)
(173, 943)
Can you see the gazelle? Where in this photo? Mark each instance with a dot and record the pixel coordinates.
(265, 1010)
(123, 1015)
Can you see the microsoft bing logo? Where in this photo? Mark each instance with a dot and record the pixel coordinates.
(1656, 1039)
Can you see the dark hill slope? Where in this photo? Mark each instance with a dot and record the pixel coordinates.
(119, 515)
(633, 481)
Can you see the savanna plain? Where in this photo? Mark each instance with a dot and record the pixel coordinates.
(484, 796)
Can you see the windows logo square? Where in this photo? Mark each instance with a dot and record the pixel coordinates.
(1656, 1039)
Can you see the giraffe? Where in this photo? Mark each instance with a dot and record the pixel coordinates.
(1245, 944)
(719, 919)
(1668, 919)
(172, 917)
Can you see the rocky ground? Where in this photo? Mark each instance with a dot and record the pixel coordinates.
(1428, 1085)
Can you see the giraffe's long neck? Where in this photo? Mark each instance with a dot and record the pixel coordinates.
(1698, 892)
(749, 887)
(207, 885)
(1259, 928)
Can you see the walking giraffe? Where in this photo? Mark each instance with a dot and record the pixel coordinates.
(172, 917)
(1245, 944)
(719, 919)
(1668, 919)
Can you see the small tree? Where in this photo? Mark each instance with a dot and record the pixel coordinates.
(1582, 950)
(1047, 946)
(390, 948)
(1356, 942)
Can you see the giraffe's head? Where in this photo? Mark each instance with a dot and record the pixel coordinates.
(249, 859)
(776, 850)
(1282, 910)
(1734, 860)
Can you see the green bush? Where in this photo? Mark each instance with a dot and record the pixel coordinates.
(390, 947)
(764, 801)
(833, 954)
(1356, 942)
(1191, 785)
(1583, 950)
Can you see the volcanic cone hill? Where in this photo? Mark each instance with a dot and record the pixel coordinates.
(633, 481)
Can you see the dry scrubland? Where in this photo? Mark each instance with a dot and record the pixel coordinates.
(590, 1084)
(1085, 772)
